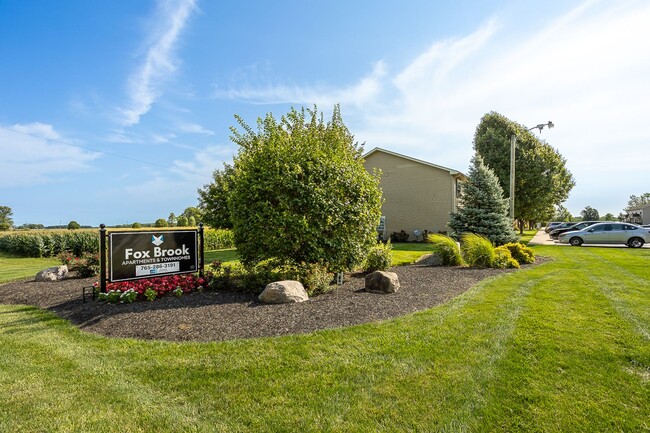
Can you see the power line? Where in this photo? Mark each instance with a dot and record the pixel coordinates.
(86, 148)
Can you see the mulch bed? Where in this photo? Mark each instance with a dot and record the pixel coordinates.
(218, 316)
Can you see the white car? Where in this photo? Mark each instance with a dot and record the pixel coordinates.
(608, 233)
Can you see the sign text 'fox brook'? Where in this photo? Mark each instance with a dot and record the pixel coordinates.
(135, 255)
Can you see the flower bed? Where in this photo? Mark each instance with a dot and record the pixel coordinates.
(151, 288)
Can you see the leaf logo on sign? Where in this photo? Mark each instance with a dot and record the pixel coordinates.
(157, 240)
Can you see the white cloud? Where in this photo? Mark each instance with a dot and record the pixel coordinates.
(194, 128)
(159, 63)
(36, 154)
(359, 94)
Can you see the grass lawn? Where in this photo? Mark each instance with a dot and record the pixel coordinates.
(527, 236)
(561, 347)
(16, 268)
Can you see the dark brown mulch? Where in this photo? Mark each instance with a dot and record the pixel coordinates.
(215, 316)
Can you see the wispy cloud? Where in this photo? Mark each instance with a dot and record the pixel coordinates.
(159, 63)
(361, 93)
(36, 154)
(194, 128)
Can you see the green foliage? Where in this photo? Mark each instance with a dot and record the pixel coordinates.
(477, 250)
(608, 217)
(235, 277)
(85, 266)
(136, 225)
(49, 243)
(73, 225)
(482, 208)
(160, 222)
(150, 294)
(503, 259)
(379, 257)
(562, 214)
(218, 239)
(116, 296)
(5, 218)
(182, 221)
(542, 179)
(590, 214)
(178, 292)
(171, 220)
(446, 248)
(636, 202)
(213, 198)
(521, 253)
(301, 193)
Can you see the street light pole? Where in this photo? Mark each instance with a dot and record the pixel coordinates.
(513, 145)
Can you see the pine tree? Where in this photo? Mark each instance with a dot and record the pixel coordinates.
(482, 209)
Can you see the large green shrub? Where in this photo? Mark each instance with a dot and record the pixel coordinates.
(379, 257)
(477, 250)
(301, 194)
(446, 248)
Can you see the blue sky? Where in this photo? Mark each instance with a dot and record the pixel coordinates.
(117, 112)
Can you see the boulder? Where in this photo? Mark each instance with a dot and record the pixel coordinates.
(429, 260)
(56, 273)
(283, 292)
(382, 282)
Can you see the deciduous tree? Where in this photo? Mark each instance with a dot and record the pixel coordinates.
(542, 180)
(213, 198)
(73, 225)
(5, 218)
(590, 214)
(636, 202)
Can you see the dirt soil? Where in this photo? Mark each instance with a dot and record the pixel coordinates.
(218, 316)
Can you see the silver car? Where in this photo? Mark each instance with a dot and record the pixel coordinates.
(608, 233)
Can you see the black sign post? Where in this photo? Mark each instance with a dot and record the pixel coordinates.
(134, 255)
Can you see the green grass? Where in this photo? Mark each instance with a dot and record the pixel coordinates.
(16, 268)
(527, 236)
(405, 253)
(561, 347)
(225, 256)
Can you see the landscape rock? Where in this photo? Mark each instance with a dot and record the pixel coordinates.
(429, 260)
(57, 273)
(283, 292)
(382, 282)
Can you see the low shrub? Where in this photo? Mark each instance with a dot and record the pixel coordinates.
(446, 248)
(85, 266)
(503, 259)
(477, 250)
(402, 236)
(235, 277)
(521, 252)
(379, 257)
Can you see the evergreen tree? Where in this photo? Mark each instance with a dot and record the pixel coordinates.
(482, 209)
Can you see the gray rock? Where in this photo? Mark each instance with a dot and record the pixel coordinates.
(429, 260)
(57, 273)
(283, 292)
(382, 282)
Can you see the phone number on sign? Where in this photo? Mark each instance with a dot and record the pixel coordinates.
(158, 268)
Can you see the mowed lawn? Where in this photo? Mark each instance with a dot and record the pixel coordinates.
(561, 347)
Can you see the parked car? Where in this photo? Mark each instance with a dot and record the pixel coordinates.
(608, 233)
(555, 233)
(563, 225)
(552, 225)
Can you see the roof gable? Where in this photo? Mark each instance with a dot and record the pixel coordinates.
(399, 155)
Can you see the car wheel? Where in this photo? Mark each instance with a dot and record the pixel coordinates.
(575, 242)
(635, 243)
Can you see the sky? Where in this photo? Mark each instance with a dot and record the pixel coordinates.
(117, 112)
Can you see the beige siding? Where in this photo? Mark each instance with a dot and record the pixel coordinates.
(416, 196)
